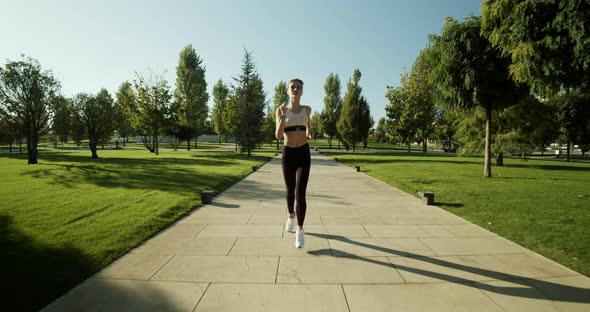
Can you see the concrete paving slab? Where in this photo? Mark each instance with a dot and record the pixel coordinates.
(129, 295)
(229, 269)
(278, 246)
(418, 298)
(456, 269)
(472, 246)
(517, 296)
(338, 230)
(249, 230)
(186, 246)
(399, 231)
(378, 247)
(525, 265)
(182, 230)
(337, 270)
(216, 219)
(273, 297)
(134, 266)
(282, 219)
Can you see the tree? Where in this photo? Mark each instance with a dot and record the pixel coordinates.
(573, 116)
(471, 73)
(317, 124)
(380, 131)
(61, 120)
(250, 99)
(151, 109)
(190, 95)
(231, 116)
(268, 127)
(355, 121)
(400, 110)
(332, 106)
(547, 41)
(9, 132)
(96, 114)
(421, 96)
(281, 97)
(124, 103)
(220, 95)
(27, 97)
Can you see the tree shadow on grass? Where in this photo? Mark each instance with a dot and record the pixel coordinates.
(35, 274)
(165, 174)
(546, 289)
(32, 273)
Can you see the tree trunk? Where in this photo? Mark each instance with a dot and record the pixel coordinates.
(32, 142)
(487, 172)
(330, 142)
(424, 147)
(567, 157)
(188, 145)
(500, 159)
(409, 146)
(157, 143)
(10, 147)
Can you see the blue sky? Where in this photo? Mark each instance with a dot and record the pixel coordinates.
(91, 45)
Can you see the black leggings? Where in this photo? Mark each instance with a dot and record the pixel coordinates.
(296, 165)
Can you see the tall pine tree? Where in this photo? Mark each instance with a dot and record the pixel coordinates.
(250, 100)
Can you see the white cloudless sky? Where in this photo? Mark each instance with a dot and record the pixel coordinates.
(91, 45)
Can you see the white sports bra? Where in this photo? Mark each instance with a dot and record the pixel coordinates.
(296, 119)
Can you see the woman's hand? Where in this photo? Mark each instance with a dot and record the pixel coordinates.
(309, 133)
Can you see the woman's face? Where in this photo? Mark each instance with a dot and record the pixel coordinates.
(295, 89)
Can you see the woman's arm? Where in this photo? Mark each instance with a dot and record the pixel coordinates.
(309, 129)
(280, 124)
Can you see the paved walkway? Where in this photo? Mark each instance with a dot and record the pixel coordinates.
(369, 247)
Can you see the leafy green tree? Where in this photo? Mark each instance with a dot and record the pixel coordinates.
(401, 111)
(280, 97)
(190, 95)
(547, 41)
(231, 116)
(332, 106)
(96, 114)
(125, 101)
(250, 98)
(422, 97)
(380, 131)
(61, 120)
(268, 127)
(317, 124)
(220, 96)
(470, 73)
(151, 109)
(9, 132)
(27, 97)
(573, 115)
(355, 121)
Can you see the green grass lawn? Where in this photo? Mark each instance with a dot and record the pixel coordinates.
(539, 204)
(70, 215)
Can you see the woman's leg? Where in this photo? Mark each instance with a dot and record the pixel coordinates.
(289, 174)
(302, 178)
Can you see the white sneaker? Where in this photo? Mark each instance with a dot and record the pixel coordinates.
(299, 238)
(290, 225)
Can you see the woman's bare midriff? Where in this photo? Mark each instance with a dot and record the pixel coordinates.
(295, 138)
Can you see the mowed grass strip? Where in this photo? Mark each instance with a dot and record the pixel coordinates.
(70, 215)
(540, 204)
